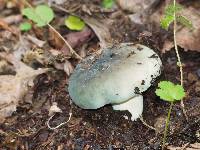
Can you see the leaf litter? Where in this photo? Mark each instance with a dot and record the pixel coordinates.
(14, 87)
(87, 129)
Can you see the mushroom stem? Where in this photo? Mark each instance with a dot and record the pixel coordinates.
(134, 106)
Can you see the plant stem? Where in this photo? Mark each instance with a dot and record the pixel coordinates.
(167, 125)
(60, 36)
(181, 78)
(68, 45)
(176, 48)
(179, 59)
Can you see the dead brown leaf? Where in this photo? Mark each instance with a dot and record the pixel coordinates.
(58, 2)
(101, 30)
(55, 40)
(136, 5)
(35, 40)
(5, 26)
(2, 4)
(77, 39)
(187, 38)
(13, 88)
(66, 66)
(21, 47)
(54, 109)
(13, 19)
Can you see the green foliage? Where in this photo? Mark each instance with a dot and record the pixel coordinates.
(169, 16)
(184, 21)
(108, 3)
(41, 15)
(74, 23)
(25, 26)
(171, 9)
(166, 21)
(168, 91)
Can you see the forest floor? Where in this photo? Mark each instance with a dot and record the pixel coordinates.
(26, 128)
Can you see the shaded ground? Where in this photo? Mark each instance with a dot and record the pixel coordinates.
(105, 128)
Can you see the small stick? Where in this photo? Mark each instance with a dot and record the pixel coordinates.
(149, 126)
(58, 126)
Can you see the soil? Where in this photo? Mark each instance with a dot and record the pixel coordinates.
(105, 128)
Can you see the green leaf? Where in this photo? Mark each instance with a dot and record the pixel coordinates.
(184, 21)
(41, 15)
(170, 9)
(74, 23)
(168, 91)
(169, 15)
(166, 21)
(25, 26)
(108, 3)
(30, 14)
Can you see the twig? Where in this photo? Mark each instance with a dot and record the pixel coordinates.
(144, 123)
(73, 52)
(58, 126)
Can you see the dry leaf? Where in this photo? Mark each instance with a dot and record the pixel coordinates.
(13, 88)
(77, 39)
(2, 4)
(36, 41)
(187, 38)
(5, 26)
(101, 30)
(66, 66)
(13, 19)
(55, 40)
(58, 2)
(22, 46)
(136, 5)
(54, 109)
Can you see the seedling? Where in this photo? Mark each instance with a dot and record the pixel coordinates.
(108, 3)
(169, 16)
(168, 91)
(41, 15)
(74, 23)
(25, 26)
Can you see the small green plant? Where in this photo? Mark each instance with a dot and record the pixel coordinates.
(108, 3)
(25, 26)
(169, 16)
(74, 23)
(168, 91)
(41, 15)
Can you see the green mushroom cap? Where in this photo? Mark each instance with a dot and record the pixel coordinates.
(118, 74)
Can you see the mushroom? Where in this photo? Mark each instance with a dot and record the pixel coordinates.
(118, 77)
